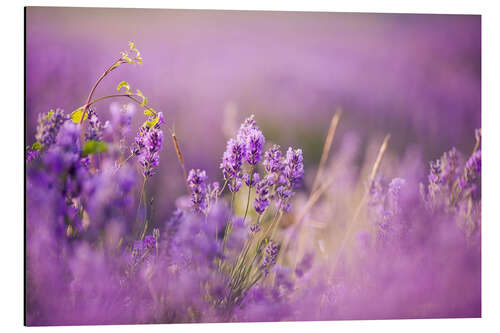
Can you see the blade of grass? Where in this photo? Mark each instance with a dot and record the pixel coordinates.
(326, 148)
(353, 221)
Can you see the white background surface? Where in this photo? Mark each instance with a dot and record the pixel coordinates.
(12, 147)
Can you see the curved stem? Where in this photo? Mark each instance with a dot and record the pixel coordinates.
(103, 75)
(123, 162)
(131, 96)
(181, 161)
(223, 187)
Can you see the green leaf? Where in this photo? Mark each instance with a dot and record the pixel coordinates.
(115, 65)
(144, 99)
(93, 147)
(36, 146)
(123, 84)
(49, 115)
(76, 115)
(151, 123)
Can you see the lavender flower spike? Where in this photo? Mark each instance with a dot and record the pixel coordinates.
(272, 250)
(48, 127)
(294, 167)
(262, 200)
(255, 143)
(94, 129)
(472, 170)
(245, 128)
(232, 159)
(272, 159)
(150, 157)
(253, 139)
(197, 182)
(473, 165)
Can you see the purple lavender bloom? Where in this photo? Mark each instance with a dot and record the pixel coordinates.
(232, 159)
(65, 154)
(245, 128)
(260, 204)
(288, 175)
(253, 139)
(48, 127)
(149, 242)
(255, 228)
(197, 184)
(304, 265)
(253, 181)
(139, 141)
(434, 172)
(271, 253)
(31, 154)
(450, 166)
(471, 178)
(272, 159)
(137, 248)
(234, 185)
(94, 127)
(161, 120)
(473, 166)
(294, 167)
(254, 143)
(283, 194)
(109, 197)
(150, 157)
(213, 191)
(273, 179)
(262, 200)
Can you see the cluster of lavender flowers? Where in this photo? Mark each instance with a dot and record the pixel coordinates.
(203, 264)
(282, 174)
(210, 262)
(97, 254)
(147, 145)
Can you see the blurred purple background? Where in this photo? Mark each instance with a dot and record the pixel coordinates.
(415, 76)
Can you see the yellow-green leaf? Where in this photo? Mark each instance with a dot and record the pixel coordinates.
(49, 115)
(93, 147)
(151, 123)
(123, 84)
(150, 112)
(144, 99)
(76, 115)
(36, 146)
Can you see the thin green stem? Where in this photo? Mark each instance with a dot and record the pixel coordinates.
(130, 96)
(123, 162)
(222, 189)
(141, 198)
(249, 192)
(103, 75)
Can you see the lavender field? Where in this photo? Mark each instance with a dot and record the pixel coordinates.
(225, 166)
